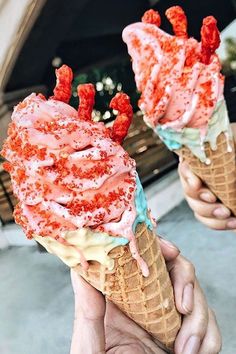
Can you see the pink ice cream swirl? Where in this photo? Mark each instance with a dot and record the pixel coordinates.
(178, 77)
(67, 171)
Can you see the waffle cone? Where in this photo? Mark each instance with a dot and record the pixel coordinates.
(220, 174)
(149, 301)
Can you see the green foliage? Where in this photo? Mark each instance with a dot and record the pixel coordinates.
(231, 48)
(229, 64)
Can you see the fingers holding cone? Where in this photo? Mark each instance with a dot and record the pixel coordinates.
(88, 333)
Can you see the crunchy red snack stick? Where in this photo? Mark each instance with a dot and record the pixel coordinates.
(210, 38)
(121, 103)
(152, 16)
(178, 19)
(86, 93)
(62, 91)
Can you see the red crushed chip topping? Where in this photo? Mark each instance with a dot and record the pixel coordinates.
(41, 96)
(7, 166)
(99, 201)
(41, 172)
(192, 57)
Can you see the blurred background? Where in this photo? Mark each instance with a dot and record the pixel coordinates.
(37, 36)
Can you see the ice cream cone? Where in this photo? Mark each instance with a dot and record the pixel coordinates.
(149, 301)
(220, 174)
(81, 198)
(182, 96)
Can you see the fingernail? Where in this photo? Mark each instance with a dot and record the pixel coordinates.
(168, 243)
(231, 224)
(192, 346)
(221, 212)
(206, 197)
(187, 300)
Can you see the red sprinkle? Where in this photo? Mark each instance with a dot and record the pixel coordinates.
(7, 166)
(99, 201)
(153, 17)
(62, 91)
(20, 176)
(40, 95)
(205, 94)
(192, 57)
(86, 93)
(22, 221)
(210, 38)
(178, 19)
(121, 103)
(100, 169)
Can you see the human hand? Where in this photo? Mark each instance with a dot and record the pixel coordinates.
(203, 202)
(100, 327)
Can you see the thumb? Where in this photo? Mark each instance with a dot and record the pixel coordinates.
(168, 249)
(192, 181)
(88, 333)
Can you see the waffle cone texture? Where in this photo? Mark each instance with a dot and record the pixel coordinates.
(149, 301)
(220, 174)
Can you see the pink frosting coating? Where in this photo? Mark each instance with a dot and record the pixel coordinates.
(177, 90)
(67, 173)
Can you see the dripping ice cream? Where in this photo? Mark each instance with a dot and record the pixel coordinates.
(78, 189)
(180, 81)
(80, 197)
(182, 96)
